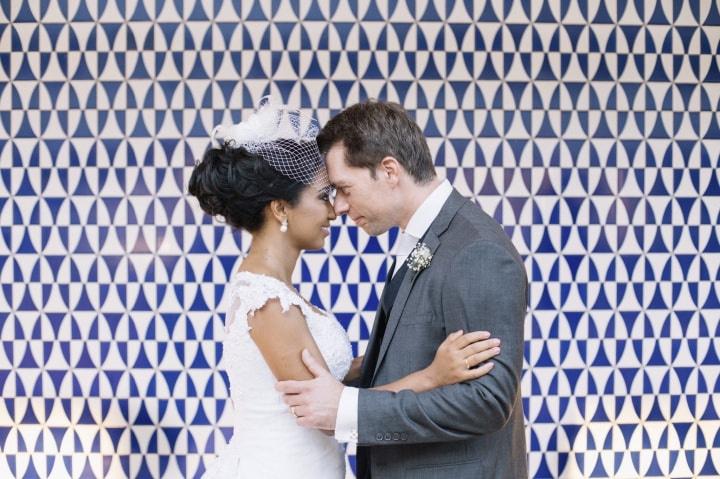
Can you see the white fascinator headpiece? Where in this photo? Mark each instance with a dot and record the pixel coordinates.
(283, 137)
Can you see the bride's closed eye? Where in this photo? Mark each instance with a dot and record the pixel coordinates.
(327, 196)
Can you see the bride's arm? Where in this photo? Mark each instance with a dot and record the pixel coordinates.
(281, 337)
(454, 362)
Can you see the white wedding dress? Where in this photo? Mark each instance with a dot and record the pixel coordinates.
(266, 441)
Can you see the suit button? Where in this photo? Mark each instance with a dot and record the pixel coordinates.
(396, 436)
(379, 436)
(388, 436)
(403, 436)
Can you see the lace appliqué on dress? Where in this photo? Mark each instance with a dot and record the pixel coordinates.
(250, 292)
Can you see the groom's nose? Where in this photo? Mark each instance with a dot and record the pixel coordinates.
(341, 206)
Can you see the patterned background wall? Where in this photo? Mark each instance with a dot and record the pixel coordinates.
(589, 129)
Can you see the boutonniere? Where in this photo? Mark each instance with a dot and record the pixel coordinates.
(419, 257)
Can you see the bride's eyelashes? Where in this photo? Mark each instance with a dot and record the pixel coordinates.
(327, 196)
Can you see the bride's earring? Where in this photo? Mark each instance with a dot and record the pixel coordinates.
(284, 226)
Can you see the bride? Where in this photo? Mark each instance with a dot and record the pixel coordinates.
(266, 175)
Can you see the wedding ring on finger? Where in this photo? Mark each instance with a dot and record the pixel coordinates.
(467, 364)
(292, 410)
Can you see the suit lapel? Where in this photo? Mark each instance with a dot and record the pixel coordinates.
(432, 240)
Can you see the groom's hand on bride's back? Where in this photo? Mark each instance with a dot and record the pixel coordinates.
(315, 401)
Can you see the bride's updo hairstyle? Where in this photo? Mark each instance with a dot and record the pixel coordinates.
(273, 155)
(235, 186)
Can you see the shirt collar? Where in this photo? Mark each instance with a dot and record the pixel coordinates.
(429, 209)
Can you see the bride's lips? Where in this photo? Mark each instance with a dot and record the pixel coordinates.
(326, 230)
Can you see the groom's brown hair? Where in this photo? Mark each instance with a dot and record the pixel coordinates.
(372, 130)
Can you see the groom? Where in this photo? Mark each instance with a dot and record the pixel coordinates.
(454, 269)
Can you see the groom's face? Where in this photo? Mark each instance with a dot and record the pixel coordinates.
(359, 195)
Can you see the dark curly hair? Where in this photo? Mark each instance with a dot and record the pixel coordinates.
(238, 185)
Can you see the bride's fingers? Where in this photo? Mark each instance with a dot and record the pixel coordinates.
(482, 356)
(480, 346)
(470, 338)
(447, 344)
(478, 372)
(452, 337)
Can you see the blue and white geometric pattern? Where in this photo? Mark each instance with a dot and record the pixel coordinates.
(589, 129)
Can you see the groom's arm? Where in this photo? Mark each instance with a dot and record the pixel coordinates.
(485, 289)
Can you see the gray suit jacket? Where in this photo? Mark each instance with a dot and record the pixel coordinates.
(475, 281)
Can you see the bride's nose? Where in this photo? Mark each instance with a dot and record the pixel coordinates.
(331, 212)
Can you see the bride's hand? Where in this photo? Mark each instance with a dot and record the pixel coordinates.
(457, 356)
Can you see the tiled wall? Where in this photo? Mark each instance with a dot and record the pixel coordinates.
(589, 129)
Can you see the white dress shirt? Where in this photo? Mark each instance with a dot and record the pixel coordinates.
(346, 423)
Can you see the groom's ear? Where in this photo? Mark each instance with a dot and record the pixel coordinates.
(389, 169)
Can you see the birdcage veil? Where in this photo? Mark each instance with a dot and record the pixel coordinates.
(284, 137)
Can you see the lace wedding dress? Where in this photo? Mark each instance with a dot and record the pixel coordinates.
(266, 441)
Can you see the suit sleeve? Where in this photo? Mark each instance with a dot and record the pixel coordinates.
(485, 289)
